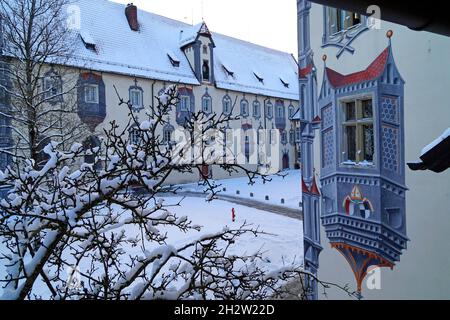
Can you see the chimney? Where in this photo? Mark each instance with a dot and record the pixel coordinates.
(131, 14)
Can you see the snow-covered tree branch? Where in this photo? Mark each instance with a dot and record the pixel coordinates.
(106, 219)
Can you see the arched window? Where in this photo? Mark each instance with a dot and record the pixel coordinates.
(269, 110)
(256, 109)
(206, 103)
(168, 133)
(244, 108)
(226, 102)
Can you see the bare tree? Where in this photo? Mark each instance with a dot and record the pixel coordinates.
(39, 92)
(88, 217)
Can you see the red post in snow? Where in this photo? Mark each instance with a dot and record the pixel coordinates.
(233, 215)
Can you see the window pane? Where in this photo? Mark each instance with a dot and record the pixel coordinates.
(367, 110)
(368, 142)
(350, 132)
(350, 111)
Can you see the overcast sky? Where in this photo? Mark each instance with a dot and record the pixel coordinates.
(265, 22)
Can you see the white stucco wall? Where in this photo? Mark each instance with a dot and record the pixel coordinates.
(421, 57)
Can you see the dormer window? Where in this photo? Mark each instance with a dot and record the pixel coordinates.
(173, 59)
(228, 71)
(88, 41)
(260, 79)
(205, 70)
(285, 83)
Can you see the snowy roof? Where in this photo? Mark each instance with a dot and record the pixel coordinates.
(146, 53)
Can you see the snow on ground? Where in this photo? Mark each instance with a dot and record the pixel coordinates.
(284, 241)
(281, 245)
(287, 188)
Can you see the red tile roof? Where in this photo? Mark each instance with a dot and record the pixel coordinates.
(373, 71)
(304, 187)
(314, 189)
(317, 119)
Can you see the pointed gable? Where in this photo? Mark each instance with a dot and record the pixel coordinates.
(314, 189)
(373, 71)
(190, 35)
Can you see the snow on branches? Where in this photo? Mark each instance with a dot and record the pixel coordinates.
(105, 219)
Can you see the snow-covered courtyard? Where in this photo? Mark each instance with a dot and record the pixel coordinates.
(285, 186)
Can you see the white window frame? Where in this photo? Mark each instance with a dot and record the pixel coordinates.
(226, 105)
(51, 82)
(207, 104)
(185, 103)
(87, 95)
(139, 95)
(269, 110)
(257, 105)
(244, 108)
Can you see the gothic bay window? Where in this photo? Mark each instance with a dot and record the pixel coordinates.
(244, 108)
(91, 93)
(358, 131)
(185, 103)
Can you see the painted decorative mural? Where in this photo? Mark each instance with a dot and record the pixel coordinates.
(362, 169)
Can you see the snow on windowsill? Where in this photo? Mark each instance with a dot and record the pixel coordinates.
(363, 164)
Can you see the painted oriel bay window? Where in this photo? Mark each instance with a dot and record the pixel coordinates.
(362, 154)
(91, 99)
